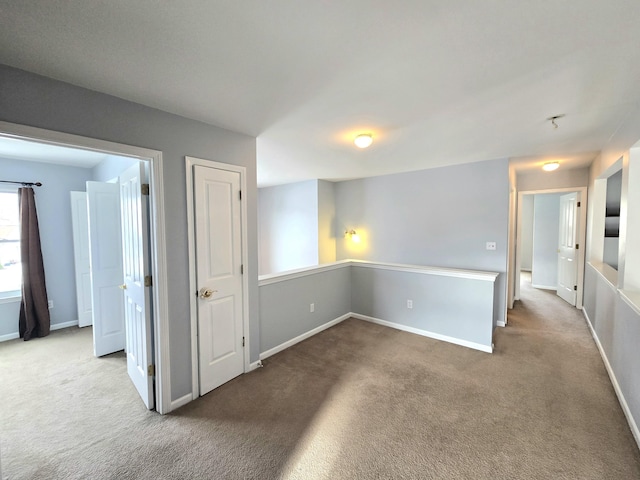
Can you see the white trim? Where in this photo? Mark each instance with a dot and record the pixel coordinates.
(59, 326)
(606, 272)
(304, 336)
(190, 162)
(425, 333)
(396, 267)
(427, 270)
(631, 298)
(157, 237)
(12, 299)
(255, 365)
(9, 336)
(500, 323)
(301, 272)
(545, 287)
(179, 402)
(614, 381)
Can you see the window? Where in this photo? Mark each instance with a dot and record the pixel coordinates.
(10, 268)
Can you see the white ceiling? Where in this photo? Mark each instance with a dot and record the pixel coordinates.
(437, 83)
(17, 149)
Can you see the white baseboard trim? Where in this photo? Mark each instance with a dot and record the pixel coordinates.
(254, 366)
(54, 326)
(614, 381)
(179, 402)
(500, 323)
(59, 326)
(9, 336)
(425, 333)
(304, 336)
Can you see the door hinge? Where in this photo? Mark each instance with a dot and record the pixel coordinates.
(148, 281)
(578, 203)
(151, 370)
(577, 246)
(240, 194)
(144, 188)
(575, 287)
(241, 269)
(243, 341)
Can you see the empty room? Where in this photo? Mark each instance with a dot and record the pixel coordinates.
(298, 240)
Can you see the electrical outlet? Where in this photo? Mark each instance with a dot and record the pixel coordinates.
(409, 304)
(312, 307)
(50, 304)
(491, 245)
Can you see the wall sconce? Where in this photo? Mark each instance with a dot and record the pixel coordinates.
(354, 236)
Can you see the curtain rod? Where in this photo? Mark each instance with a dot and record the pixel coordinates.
(24, 184)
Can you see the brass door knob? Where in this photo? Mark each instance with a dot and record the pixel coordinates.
(123, 286)
(206, 292)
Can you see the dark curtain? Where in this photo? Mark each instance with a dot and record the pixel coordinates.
(34, 310)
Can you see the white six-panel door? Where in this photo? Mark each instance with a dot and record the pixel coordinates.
(81, 254)
(105, 243)
(567, 261)
(136, 294)
(217, 208)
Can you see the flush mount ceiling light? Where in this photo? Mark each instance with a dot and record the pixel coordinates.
(363, 140)
(550, 166)
(354, 236)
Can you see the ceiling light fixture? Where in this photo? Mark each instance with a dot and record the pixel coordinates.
(550, 166)
(363, 140)
(554, 118)
(354, 236)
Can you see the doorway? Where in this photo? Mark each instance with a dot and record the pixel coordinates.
(153, 159)
(218, 253)
(559, 259)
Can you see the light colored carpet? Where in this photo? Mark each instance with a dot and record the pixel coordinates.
(358, 401)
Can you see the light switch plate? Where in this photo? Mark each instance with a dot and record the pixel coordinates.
(491, 245)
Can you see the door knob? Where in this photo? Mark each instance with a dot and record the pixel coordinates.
(206, 292)
(123, 286)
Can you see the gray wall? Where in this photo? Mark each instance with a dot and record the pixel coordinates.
(440, 217)
(561, 178)
(326, 222)
(546, 219)
(37, 101)
(284, 306)
(526, 233)
(437, 305)
(288, 225)
(54, 217)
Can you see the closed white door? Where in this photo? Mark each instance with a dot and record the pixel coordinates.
(136, 291)
(219, 275)
(81, 252)
(567, 264)
(105, 246)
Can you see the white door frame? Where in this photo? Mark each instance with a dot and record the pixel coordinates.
(581, 237)
(157, 235)
(193, 288)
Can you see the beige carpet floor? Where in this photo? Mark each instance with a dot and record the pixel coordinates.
(357, 401)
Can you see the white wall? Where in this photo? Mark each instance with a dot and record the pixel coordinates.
(526, 234)
(546, 218)
(560, 178)
(440, 217)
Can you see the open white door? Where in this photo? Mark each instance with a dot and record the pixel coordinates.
(136, 290)
(81, 255)
(105, 242)
(567, 264)
(219, 275)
